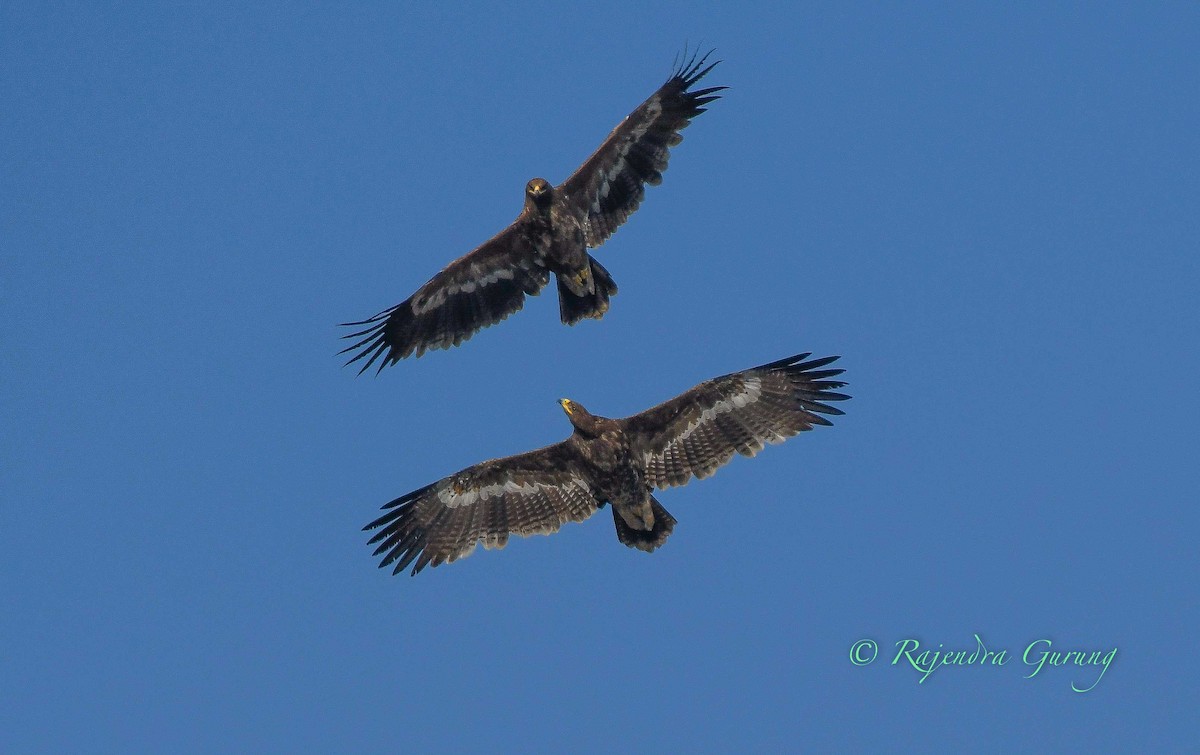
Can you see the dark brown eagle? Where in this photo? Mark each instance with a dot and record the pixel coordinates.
(616, 461)
(551, 235)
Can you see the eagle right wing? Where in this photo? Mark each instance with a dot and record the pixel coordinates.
(609, 186)
(697, 432)
(473, 292)
(530, 493)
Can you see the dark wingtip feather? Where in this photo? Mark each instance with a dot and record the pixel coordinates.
(381, 521)
(373, 320)
(816, 406)
(815, 363)
(693, 69)
(375, 349)
(785, 362)
(407, 498)
(831, 396)
(422, 562)
(700, 102)
(822, 374)
(405, 560)
(370, 334)
(396, 503)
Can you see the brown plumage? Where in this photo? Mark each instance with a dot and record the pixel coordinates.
(556, 227)
(613, 461)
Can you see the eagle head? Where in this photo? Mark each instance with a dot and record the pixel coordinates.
(537, 191)
(583, 420)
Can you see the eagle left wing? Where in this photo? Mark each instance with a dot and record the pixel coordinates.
(530, 493)
(475, 291)
(698, 431)
(607, 188)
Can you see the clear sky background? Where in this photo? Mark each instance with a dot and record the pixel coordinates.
(990, 213)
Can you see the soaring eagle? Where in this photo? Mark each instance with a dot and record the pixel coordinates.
(616, 461)
(551, 235)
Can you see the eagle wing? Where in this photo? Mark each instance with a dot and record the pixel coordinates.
(531, 493)
(697, 432)
(475, 291)
(610, 185)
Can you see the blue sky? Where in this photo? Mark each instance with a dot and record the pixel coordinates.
(990, 212)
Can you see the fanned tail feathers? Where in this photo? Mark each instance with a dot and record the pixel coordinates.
(648, 541)
(572, 308)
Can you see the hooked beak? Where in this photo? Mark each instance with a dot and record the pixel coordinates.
(566, 405)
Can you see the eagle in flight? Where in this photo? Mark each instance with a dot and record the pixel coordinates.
(614, 461)
(551, 235)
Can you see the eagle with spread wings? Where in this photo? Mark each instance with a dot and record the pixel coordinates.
(551, 235)
(608, 461)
